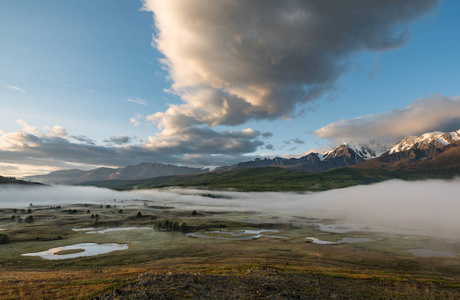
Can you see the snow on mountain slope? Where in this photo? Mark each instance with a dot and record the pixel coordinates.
(366, 150)
(435, 139)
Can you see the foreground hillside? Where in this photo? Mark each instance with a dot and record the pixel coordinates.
(278, 179)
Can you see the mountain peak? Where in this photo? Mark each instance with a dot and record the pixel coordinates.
(435, 139)
(365, 150)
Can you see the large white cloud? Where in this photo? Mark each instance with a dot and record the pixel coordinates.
(236, 60)
(423, 115)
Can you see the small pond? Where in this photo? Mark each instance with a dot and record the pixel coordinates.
(245, 234)
(342, 241)
(92, 230)
(89, 249)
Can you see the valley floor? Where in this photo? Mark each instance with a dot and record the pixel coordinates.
(222, 261)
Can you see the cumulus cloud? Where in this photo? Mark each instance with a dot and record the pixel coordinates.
(233, 61)
(118, 140)
(267, 134)
(423, 115)
(136, 121)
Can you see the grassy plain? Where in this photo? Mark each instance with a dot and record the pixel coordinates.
(168, 264)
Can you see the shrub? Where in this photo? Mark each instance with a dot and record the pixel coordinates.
(4, 239)
(29, 219)
(139, 214)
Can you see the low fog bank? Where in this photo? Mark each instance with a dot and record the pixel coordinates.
(13, 196)
(431, 206)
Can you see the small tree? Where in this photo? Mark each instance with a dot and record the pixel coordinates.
(183, 226)
(29, 219)
(13, 218)
(29, 211)
(194, 213)
(4, 239)
(19, 219)
(120, 211)
(139, 214)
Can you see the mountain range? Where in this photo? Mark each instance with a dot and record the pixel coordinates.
(344, 155)
(409, 153)
(140, 171)
(430, 150)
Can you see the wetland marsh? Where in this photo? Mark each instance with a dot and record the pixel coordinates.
(166, 238)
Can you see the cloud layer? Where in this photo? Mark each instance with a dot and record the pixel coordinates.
(233, 61)
(423, 115)
(53, 147)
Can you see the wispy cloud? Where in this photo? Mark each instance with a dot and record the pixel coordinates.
(295, 141)
(118, 140)
(84, 139)
(12, 87)
(137, 101)
(91, 91)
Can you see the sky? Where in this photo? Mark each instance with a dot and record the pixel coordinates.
(87, 83)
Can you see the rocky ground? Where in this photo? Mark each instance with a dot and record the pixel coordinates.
(269, 284)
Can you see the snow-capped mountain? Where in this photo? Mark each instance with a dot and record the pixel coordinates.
(366, 151)
(430, 150)
(409, 151)
(344, 155)
(435, 139)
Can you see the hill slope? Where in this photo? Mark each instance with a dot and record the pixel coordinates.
(278, 179)
(11, 180)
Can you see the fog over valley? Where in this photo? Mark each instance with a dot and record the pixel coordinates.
(424, 207)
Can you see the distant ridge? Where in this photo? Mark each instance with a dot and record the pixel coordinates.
(344, 155)
(140, 171)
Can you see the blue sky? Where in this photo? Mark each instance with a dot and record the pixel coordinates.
(89, 68)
